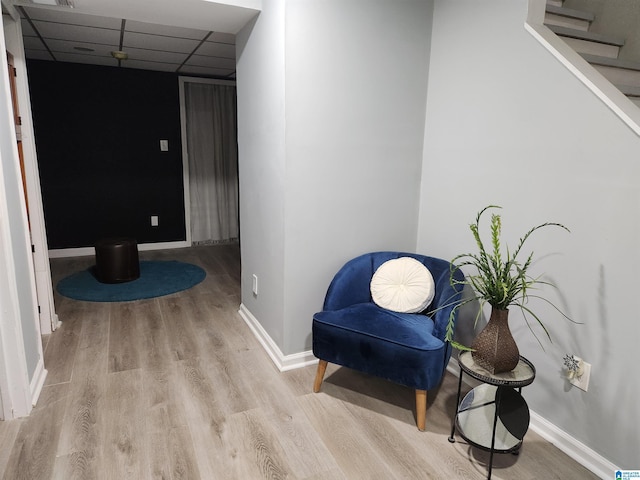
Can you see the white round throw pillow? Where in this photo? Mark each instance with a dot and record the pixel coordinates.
(402, 285)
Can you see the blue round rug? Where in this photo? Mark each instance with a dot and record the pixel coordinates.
(156, 279)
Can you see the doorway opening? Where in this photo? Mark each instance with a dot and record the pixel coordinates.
(210, 160)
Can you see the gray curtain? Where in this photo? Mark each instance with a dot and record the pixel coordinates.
(213, 162)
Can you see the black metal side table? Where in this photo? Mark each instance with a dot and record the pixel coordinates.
(493, 416)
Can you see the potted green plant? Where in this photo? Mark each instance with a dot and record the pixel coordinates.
(497, 276)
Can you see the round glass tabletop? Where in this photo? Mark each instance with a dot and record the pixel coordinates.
(522, 375)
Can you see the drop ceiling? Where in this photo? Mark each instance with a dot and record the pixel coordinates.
(66, 35)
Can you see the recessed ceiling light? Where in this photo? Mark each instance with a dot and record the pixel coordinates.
(120, 55)
(84, 49)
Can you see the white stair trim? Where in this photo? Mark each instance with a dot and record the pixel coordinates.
(588, 36)
(567, 17)
(587, 74)
(629, 90)
(611, 62)
(569, 12)
(559, 20)
(620, 76)
(592, 48)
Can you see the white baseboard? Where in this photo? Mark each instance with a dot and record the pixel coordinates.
(163, 245)
(90, 251)
(572, 447)
(37, 382)
(282, 362)
(56, 322)
(581, 453)
(577, 450)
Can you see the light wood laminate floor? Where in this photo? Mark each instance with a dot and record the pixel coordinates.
(177, 387)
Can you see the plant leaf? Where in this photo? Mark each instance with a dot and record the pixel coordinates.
(498, 277)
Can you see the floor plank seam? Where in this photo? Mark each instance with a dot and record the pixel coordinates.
(199, 398)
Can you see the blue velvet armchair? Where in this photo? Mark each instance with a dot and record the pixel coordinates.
(405, 348)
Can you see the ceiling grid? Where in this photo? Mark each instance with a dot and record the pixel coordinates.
(65, 36)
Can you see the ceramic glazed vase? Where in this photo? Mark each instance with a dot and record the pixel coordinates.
(494, 348)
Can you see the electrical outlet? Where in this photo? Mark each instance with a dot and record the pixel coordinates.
(154, 220)
(254, 286)
(164, 145)
(582, 380)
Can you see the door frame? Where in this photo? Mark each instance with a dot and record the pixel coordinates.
(20, 387)
(49, 321)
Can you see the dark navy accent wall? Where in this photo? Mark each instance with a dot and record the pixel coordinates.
(98, 132)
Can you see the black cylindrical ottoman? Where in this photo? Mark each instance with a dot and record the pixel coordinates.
(117, 260)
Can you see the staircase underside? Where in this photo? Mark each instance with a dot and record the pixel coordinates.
(600, 50)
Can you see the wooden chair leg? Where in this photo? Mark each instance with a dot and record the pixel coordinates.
(322, 367)
(421, 409)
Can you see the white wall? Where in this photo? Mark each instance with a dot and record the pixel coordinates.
(508, 124)
(337, 172)
(355, 93)
(261, 165)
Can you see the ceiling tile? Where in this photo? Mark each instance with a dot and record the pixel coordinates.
(37, 54)
(90, 59)
(78, 33)
(163, 67)
(217, 50)
(156, 42)
(27, 29)
(33, 43)
(222, 38)
(164, 30)
(150, 46)
(156, 56)
(69, 17)
(68, 46)
(214, 72)
(216, 62)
